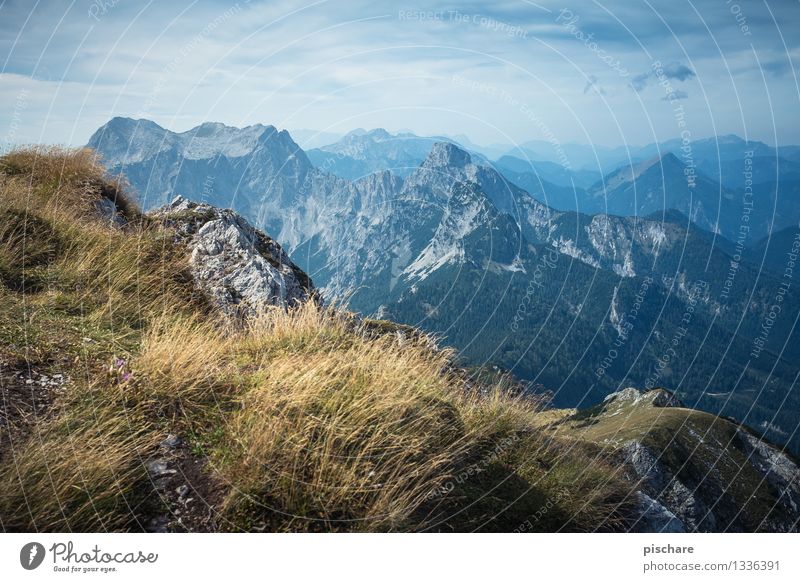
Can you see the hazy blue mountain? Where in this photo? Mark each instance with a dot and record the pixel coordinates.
(533, 170)
(457, 248)
(761, 169)
(711, 205)
(775, 251)
(724, 159)
(573, 156)
(638, 181)
(491, 151)
(219, 164)
(361, 152)
(660, 184)
(312, 138)
(791, 153)
(721, 148)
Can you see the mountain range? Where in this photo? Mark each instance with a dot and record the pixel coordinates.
(651, 288)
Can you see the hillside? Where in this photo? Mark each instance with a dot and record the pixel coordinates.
(175, 371)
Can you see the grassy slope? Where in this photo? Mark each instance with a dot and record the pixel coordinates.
(306, 420)
(701, 449)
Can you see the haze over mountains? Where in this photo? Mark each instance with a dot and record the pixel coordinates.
(579, 279)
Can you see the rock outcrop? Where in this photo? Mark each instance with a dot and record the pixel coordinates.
(241, 269)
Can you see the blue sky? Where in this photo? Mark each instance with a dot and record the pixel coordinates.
(500, 72)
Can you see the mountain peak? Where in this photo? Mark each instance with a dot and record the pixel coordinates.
(128, 124)
(447, 154)
(378, 132)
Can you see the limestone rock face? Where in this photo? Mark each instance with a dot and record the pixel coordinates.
(238, 266)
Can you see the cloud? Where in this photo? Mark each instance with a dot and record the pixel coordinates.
(674, 70)
(592, 84)
(678, 71)
(358, 63)
(639, 82)
(675, 95)
(777, 68)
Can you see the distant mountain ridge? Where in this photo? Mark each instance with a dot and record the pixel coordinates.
(361, 152)
(709, 180)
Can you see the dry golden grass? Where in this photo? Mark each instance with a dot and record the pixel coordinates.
(359, 431)
(67, 273)
(52, 237)
(78, 471)
(319, 425)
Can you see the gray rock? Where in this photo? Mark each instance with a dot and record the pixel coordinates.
(656, 481)
(241, 269)
(654, 517)
(658, 397)
(171, 442)
(159, 468)
(686, 502)
(665, 399)
(625, 395)
(646, 466)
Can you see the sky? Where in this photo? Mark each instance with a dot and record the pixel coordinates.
(621, 72)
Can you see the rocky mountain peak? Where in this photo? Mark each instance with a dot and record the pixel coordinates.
(446, 154)
(658, 397)
(378, 134)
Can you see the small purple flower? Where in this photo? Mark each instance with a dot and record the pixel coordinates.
(119, 363)
(126, 376)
